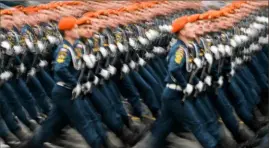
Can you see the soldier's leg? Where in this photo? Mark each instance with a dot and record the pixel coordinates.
(46, 80)
(146, 93)
(225, 110)
(153, 73)
(162, 65)
(103, 106)
(71, 109)
(190, 118)
(13, 103)
(114, 99)
(152, 82)
(111, 117)
(157, 69)
(263, 61)
(7, 136)
(251, 97)
(210, 122)
(51, 127)
(40, 95)
(26, 98)
(129, 91)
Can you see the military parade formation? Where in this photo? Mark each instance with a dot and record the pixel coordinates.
(140, 74)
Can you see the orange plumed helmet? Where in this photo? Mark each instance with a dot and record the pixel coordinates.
(179, 23)
(67, 23)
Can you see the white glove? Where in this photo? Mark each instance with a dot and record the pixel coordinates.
(133, 43)
(237, 39)
(233, 43)
(221, 49)
(220, 81)
(112, 70)
(198, 62)
(232, 72)
(105, 74)
(132, 64)
(125, 69)
(103, 52)
(143, 40)
(52, 39)
(188, 89)
(208, 80)
(6, 75)
(40, 46)
(112, 48)
(199, 86)
(214, 49)
(228, 50)
(154, 33)
(32, 72)
(86, 87)
(209, 58)
(121, 47)
(29, 44)
(22, 68)
(89, 63)
(141, 62)
(263, 40)
(43, 63)
(6, 45)
(18, 49)
(96, 80)
(76, 91)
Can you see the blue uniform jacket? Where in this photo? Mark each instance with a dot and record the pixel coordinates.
(64, 70)
(177, 73)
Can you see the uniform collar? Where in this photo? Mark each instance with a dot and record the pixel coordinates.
(65, 42)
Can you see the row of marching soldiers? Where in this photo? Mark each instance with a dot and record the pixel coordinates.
(154, 74)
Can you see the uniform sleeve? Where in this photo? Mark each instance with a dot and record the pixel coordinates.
(62, 62)
(176, 65)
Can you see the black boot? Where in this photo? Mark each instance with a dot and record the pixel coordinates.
(22, 135)
(137, 127)
(258, 115)
(33, 125)
(226, 139)
(263, 131)
(128, 137)
(11, 140)
(244, 134)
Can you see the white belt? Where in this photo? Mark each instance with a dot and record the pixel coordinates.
(63, 85)
(174, 87)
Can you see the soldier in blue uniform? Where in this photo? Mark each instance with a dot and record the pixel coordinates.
(173, 110)
(67, 109)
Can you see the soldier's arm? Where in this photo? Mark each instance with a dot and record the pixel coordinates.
(63, 60)
(176, 68)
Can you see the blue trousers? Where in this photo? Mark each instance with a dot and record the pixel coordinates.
(104, 106)
(90, 113)
(206, 116)
(3, 128)
(237, 98)
(250, 94)
(65, 111)
(111, 92)
(13, 103)
(156, 87)
(173, 112)
(25, 96)
(40, 95)
(225, 110)
(157, 69)
(146, 92)
(129, 91)
(46, 80)
(7, 116)
(153, 73)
